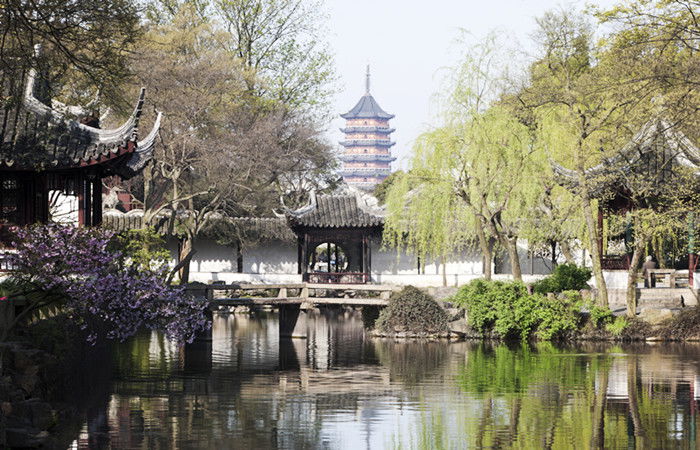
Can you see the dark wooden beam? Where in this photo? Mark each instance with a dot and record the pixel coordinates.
(96, 202)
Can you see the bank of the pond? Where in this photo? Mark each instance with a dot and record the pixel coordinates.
(47, 384)
(498, 310)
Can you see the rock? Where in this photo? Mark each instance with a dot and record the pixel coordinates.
(655, 316)
(40, 414)
(24, 359)
(24, 437)
(454, 314)
(28, 378)
(459, 326)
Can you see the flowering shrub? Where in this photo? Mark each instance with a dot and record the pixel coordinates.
(98, 287)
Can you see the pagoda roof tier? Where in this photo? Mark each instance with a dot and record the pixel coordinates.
(367, 143)
(368, 129)
(365, 171)
(346, 210)
(367, 108)
(658, 144)
(37, 136)
(366, 157)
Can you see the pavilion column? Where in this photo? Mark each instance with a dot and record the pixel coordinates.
(41, 200)
(300, 257)
(304, 256)
(369, 260)
(87, 199)
(81, 201)
(328, 251)
(364, 254)
(96, 201)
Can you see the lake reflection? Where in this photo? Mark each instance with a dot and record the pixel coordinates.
(246, 388)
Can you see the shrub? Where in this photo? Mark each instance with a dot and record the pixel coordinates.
(144, 248)
(507, 309)
(600, 315)
(412, 310)
(618, 326)
(564, 278)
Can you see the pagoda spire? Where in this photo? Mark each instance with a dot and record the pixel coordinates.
(367, 81)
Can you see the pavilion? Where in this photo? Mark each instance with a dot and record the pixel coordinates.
(657, 153)
(44, 150)
(334, 234)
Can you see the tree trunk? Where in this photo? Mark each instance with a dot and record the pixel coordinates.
(566, 251)
(512, 247)
(443, 261)
(486, 247)
(186, 248)
(598, 422)
(592, 227)
(632, 377)
(639, 246)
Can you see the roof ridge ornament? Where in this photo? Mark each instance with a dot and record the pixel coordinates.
(367, 81)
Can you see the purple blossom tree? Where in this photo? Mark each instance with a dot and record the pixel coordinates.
(82, 271)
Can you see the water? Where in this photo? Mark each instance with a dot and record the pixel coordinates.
(246, 388)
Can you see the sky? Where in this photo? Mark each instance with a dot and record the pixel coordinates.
(409, 43)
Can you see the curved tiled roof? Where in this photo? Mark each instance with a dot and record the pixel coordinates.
(657, 139)
(36, 136)
(335, 211)
(367, 108)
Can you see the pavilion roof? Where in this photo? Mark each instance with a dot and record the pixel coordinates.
(343, 210)
(654, 151)
(367, 108)
(38, 136)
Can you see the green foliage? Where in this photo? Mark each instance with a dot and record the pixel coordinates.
(144, 248)
(507, 309)
(600, 315)
(412, 310)
(566, 277)
(617, 327)
(382, 189)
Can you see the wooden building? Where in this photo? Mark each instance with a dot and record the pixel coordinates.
(334, 234)
(47, 147)
(635, 176)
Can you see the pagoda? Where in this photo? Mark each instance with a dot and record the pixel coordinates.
(367, 156)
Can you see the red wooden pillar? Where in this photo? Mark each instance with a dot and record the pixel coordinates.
(81, 201)
(96, 201)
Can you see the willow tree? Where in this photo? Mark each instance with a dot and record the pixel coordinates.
(474, 172)
(425, 217)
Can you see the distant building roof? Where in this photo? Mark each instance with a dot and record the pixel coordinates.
(346, 210)
(367, 108)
